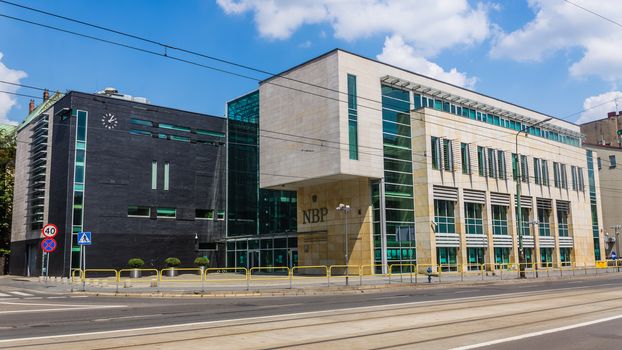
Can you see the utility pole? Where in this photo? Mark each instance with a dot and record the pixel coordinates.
(617, 229)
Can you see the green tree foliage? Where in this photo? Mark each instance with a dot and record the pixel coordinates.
(7, 176)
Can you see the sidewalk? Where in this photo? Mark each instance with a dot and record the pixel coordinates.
(232, 285)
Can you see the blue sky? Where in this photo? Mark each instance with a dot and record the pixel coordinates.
(547, 55)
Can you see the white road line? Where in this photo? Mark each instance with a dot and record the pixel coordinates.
(33, 298)
(58, 309)
(57, 297)
(4, 295)
(124, 317)
(21, 294)
(535, 334)
(56, 304)
(258, 318)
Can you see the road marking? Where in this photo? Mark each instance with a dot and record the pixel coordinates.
(21, 294)
(258, 318)
(56, 297)
(124, 317)
(4, 295)
(33, 298)
(535, 334)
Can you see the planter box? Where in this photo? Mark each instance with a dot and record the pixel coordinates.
(135, 273)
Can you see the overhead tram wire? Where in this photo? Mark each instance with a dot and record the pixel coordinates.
(368, 147)
(594, 13)
(21, 95)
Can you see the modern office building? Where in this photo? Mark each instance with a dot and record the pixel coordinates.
(604, 137)
(147, 181)
(429, 170)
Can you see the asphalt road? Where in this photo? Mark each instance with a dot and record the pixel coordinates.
(28, 313)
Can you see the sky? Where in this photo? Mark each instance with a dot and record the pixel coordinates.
(547, 55)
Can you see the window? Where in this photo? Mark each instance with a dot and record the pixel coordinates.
(473, 218)
(536, 171)
(436, 153)
(492, 163)
(169, 213)
(204, 214)
(574, 176)
(557, 179)
(612, 161)
(221, 215)
(524, 218)
(166, 175)
(545, 172)
(173, 127)
(139, 132)
(138, 211)
(210, 133)
(544, 222)
(514, 166)
(499, 220)
(154, 175)
(581, 180)
(444, 216)
(465, 152)
(524, 169)
(179, 138)
(448, 159)
(352, 118)
(481, 160)
(564, 177)
(562, 223)
(141, 122)
(600, 163)
(501, 162)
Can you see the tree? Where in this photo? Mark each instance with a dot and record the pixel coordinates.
(7, 177)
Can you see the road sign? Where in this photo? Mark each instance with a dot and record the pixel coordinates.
(84, 238)
(49, 230)
(48, 245)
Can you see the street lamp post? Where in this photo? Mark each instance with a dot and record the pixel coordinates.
(346, 209)
(521, 250)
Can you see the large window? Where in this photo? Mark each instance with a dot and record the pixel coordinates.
(524, 218)
(612, 161)
(544, 172)
(138, 211)
(564, 177)
(436, 152)
(448, 152)
(473, 218)
(465, 153)
(169, 213)
(502, 257)
(537, 174)
(501, 162)
(204, 214)
(444, 216)
(562, 223)
(546, 257)
(565, 256)
(492, 163)
(166, 175)
(544, 224)
(481, 160)
(581, 185)
(524, 169)
(575, 177)
(448, 257)
(499, 220)
(514, 166)
(352, 118)
(557, 178)
(154, 175)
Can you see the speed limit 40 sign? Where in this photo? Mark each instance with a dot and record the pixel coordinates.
(49, 230)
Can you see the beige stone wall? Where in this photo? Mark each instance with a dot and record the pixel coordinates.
(428, 122)
(323, 243)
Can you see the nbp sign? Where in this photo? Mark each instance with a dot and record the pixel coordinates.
(313, 216)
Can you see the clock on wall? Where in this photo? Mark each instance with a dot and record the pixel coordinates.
(110, 121)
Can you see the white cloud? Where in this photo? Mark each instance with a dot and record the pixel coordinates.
(561, 26)
(8, 101)
(597, 107)
(398, 53)
(429, 26)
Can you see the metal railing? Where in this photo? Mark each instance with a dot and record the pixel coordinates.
(284, 276)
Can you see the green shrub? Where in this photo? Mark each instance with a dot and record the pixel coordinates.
(201, 261)
(172, 262)
(4, 252)
(136, 263)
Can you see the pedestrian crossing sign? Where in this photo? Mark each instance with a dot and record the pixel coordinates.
(84, 238)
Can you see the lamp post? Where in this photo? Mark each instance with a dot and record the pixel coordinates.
(521, 251)
(617, 231)
(346, 209)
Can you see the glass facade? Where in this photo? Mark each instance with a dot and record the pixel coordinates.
(473, 219)
(258, 220)
(399, 200)
(444, 216)
(593, 204)
(78, 183)
(499, 220)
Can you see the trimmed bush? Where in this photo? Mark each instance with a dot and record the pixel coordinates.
(172, 262)
(136, 263)
(201, 261)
